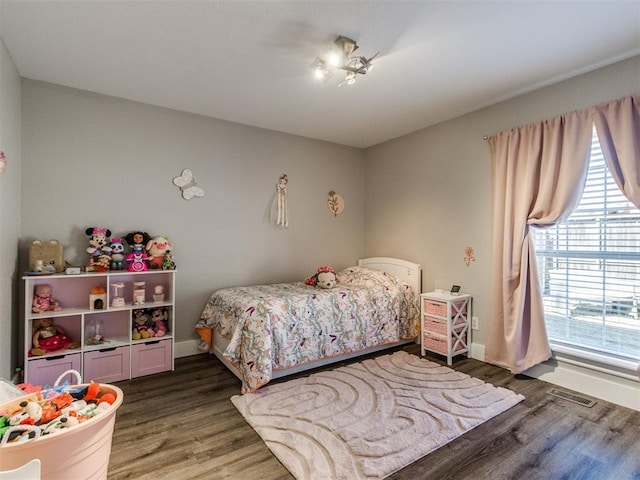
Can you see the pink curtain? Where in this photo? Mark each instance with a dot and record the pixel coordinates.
(538, 176)
(618, 127)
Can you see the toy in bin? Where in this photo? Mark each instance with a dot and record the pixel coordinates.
(73, 436)
(52, 410)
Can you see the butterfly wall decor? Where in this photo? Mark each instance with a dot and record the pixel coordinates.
(188, 185)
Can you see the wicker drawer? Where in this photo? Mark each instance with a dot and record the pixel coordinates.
(438, 343)
(435, 325)
(433, 307)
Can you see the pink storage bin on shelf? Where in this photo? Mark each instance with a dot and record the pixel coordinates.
(79, 452)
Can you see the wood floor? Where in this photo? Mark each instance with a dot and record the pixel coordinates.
(181, 425)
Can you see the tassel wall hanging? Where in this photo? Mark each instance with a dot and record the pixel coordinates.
(283, 209)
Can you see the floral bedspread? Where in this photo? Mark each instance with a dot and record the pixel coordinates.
(288, 324)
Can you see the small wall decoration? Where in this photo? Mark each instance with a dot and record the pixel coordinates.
(188, 185)
(3, 162)
(283, 208)
(469, 256)
(335, 203)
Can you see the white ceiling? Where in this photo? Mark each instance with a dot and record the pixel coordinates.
(249, 61)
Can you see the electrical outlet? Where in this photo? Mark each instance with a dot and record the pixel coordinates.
(474, 323)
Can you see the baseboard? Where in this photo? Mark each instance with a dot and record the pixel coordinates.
(596, 384)
(610, 388)
(477, 351)
(186, 348)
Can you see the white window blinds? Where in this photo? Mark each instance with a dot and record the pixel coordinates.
(589, 269)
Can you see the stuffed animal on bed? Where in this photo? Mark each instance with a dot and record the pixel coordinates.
(325, 277)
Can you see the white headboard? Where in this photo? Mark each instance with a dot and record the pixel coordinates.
(406, 271)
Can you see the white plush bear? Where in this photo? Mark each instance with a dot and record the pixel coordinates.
(326, 280)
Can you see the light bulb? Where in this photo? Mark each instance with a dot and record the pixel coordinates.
(350, 78)
(333, 59)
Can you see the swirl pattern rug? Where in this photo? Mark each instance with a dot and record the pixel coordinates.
(370, 419)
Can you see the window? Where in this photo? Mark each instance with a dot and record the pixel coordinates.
(589, 270)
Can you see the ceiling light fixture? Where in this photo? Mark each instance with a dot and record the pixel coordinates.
(340, 57)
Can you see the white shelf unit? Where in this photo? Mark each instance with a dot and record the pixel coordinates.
(119, 357)
(445, 320)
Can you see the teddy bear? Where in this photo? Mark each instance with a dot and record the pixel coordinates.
(156, 248)
(141, 325)
(42, 299)
(99, 250)
(48, 337)
(159, 318)
(50, 254)
(325, 277)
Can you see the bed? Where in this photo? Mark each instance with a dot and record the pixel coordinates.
(264, 332)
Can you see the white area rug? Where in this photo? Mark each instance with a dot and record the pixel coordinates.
(370, 419)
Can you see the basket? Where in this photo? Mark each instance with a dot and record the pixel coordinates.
(80, 452)
(434, 325)
(432, 307)
(438, 343)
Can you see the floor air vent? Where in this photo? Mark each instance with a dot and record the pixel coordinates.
(585, 402)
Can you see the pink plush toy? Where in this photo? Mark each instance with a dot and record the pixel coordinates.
(156, 248)
(159, 317)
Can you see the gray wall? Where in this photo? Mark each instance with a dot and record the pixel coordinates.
(428, 193)
(95, 160)
(9, 210)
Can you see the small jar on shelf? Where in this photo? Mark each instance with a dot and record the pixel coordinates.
(139, 293)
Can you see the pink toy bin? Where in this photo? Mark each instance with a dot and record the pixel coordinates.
(78, 453)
